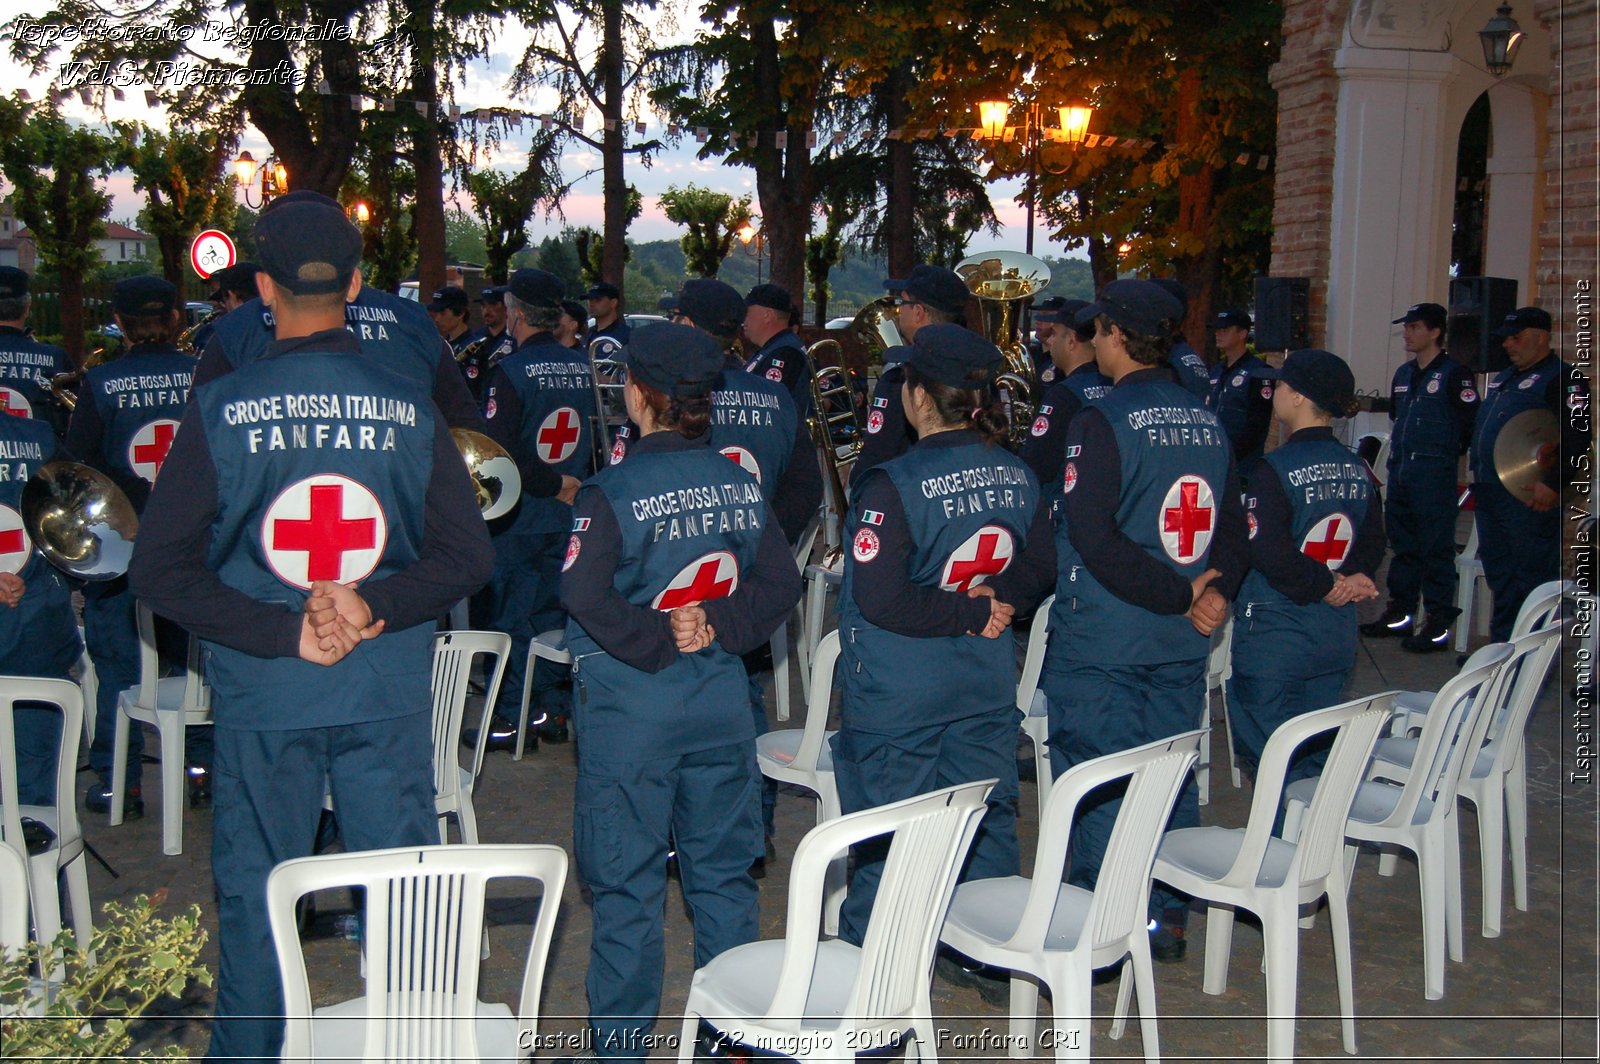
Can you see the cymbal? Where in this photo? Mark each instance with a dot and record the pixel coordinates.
(494, 474)
(80, 520)
(1525, 450)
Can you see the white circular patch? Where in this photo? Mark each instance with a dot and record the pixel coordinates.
(1186, 519)
(1529, 383)
(711, 576)
(147, 451)
(619, 450)
(1433, 386)
(573, 547)
(490, 407)
(1329, 540)
(1041, 425)
(1468, 395)
(775, 375)
(1238, 380)
(558, 435)
(1069, 478)
(865, 547)
(985, 553)
(1254, 525)
(472, 371)
(744, 459)
(325, 527)
(1266, 391)
(15, 403)
(15, 546)
(875, 421)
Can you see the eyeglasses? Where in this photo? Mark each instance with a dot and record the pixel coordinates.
(907, 302)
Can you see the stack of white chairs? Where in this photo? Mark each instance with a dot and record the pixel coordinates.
(1033, 704)
(780, 638)
(550, 646)
(455, 654)
(1219, 670)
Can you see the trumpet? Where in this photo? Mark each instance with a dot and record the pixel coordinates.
(63, 386)
(611, 411)
(836, 429)
(1002, 282)
(495, 480)
(185, 341)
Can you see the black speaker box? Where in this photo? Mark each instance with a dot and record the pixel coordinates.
(1283, 313)
(1477, 306)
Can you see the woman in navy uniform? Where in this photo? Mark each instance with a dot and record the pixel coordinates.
(675, 567)
(948, 543)
(291, 479)
(125, 421)
(1316, 538)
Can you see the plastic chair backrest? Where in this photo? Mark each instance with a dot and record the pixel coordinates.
(1522, 676)
(1155, 772)
(1033, 659)
(1541, 606)
(454, 654)
(13, 902)
(807, 540)
(1451, 715)
(1219, 663)
(424, 925)
(815, 732)
(67, 697)
(931, 835)
(196, 695)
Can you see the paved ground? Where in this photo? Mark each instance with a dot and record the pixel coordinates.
(1527, 995)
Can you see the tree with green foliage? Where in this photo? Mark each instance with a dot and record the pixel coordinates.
(504, 203)
(559, 255)
(591, 244)
(184, 176)
(65, 207)
(713, 220)
(823, 252)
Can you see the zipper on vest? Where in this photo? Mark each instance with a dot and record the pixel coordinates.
(853, 632)
(577, 677)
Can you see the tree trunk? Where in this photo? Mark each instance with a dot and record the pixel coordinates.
(614, 247)
(1102, 261)
(1196, 271)
(900, 243)
(174, 257)
(72, 312)
(783, 174)
(428, 217)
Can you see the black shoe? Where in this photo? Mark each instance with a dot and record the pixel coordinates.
(502, 736)
(1167, 943)
(758, 867)
(1435, 635)
(199, 787)
(98, 800)
(553, 730)
(1395, 622)
(992, 984)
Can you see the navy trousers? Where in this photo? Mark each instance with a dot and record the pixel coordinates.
(1105, 709)
(1257, 705)
(267, 792)
(625, 814)
(522, 599)
(1421, 518)
(111, 630)
(872, 769)
(1520, 549)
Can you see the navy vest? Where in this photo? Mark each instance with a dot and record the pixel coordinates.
(1329, 491)
(1086, 385)
(38, 636)
(396, 332)
(1174, 466)
(1190, 369)
(140, 399)
(1511, 392)
(1425, 424)
(26, 367)
(475, 364)
(782, 360)
(753, 422)
(323, 463)
(1233, 389)
(691, 525)
(556, 387)
(968, 510)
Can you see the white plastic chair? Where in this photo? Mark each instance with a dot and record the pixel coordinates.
(13, 902)
(89, 680)
(1420, 815)
(424, 918)
(1033, 704)
(822, 999)
(1219, 670)
(65, 855)
(550, 646)
(1247, 868)
(780, 639)
(172, 706)
(454, 656)
(819, 578)
(1060, 933)
(1472, 587)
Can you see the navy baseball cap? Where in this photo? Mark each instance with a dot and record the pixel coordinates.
(450, 297)
(495, 293)
(1065, 311)
(679, 360)
(240, 279)
(771, 296)
(603, 290)
(1430, 314)
(712, 305)
(1145, 308)
(939, 288)
(1523, 318)
(300, 195)
(13, 283)
(537, 288)
(307, 247)
(1232, 319)
(952, 354)
(144, 297)
(1321, 376)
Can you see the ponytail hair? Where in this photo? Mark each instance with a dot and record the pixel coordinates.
(976, 407)
(690, 417)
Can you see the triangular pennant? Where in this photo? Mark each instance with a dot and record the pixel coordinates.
(117, 94)
(422, 108)
(700, 134)
(86, 96)
(1108, 142)
(611, 124)
(150, 98)
(455, 113)
(638, 127)
(811, 138)
(323, 87)
(838, 138)
(1091, 140)
(673, 129)
(1263, 162)
(783, 141)
(546, 121)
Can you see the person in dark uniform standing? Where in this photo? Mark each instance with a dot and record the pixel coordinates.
(451, 311)
(935, 573)
(26, 365)
(500, 341)
(1151, 548)
(1078, 383)
(1241, 389)
(235, 286)
(605, 306)
(302, 473)
(126, 419)
(1188, 368)
(930, 295)
(1046, 320)
(1520, 542)
(38, 636)
(570, 329)
(674, 568)
(780, 356)
(1316, 538)
(540, 407)
(1432, 403)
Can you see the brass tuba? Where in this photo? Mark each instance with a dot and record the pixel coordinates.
(80, 520)
(1003, 282)
(495, 480)
(875, 326)
(836, 428)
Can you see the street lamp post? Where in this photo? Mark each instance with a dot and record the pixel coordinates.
(274, 178)
(1073, 119)
(754, 240)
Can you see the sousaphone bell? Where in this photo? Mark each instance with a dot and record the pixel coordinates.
(495, 480)
(80, 520)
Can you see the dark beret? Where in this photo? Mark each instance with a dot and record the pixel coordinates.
(676, 359)
(953, 355)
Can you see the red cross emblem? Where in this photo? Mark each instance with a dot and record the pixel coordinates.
(1188, 517)
(1041, 425)
(875, 421)
(744, 460)
(15, 546)
(619, 450)
(1069, 478)
(775, 375)
(1329, 540)
(986, 553)
(15, 403)
(713, 576)
(147, 451)
(558, 435)
(325, 527)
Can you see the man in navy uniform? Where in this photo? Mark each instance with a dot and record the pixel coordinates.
(124, 424)
(780, 356)
(1432, 403)
(26, 365)
(605, 306)
(1519, 540)
(501, 342)
(1151, 547)
(1188, 368)
(539, 405)
(1078, 383)
(304, 472)
(451, 311)
(234, 286)
(1241, 390)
